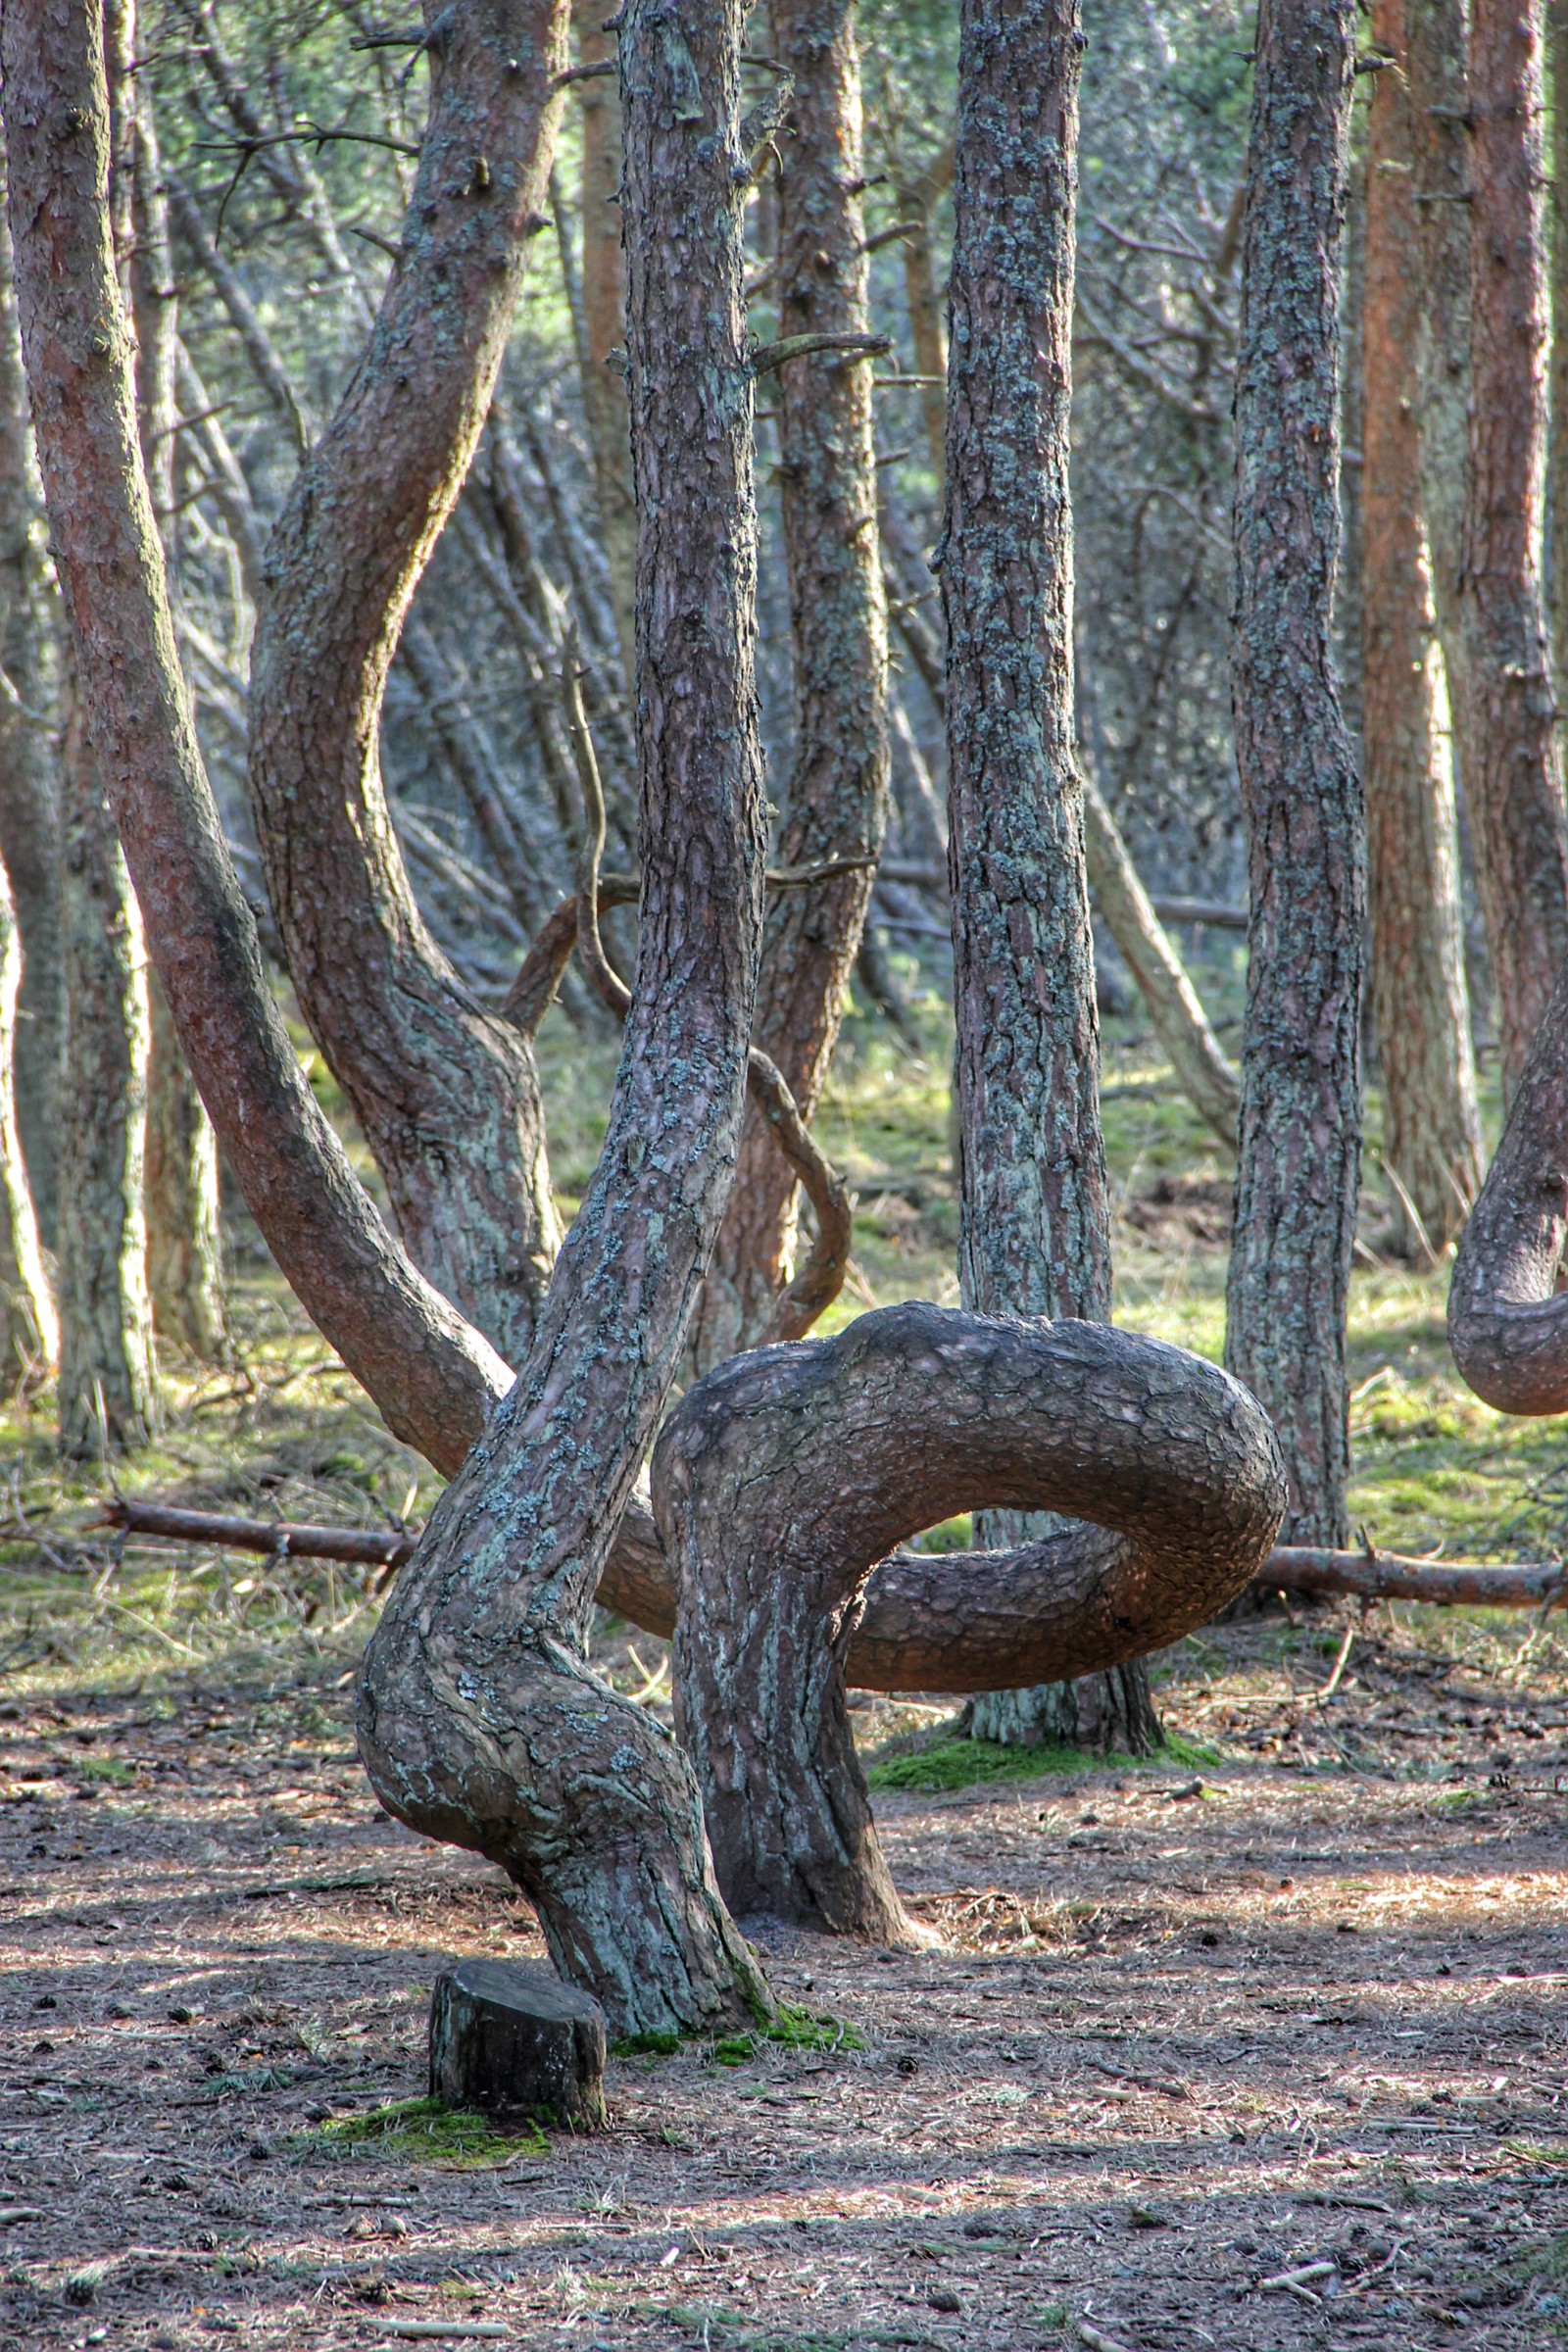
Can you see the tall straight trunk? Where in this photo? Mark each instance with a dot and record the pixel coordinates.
(1421, 1009)
(1035, 1218)
(1515, 794)
(108, 1396)
(1440, 195)
(604, 319)
(1300, 1127)
(480, 1719)
(184, 1257)
(1557, 453)
(29, 1335)
(29, 810)
(445, 1094)
(835, 805)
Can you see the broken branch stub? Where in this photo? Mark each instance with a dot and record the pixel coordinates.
(786, 1475)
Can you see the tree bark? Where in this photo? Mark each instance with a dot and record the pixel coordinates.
(480, 1721)
(29, 1334)
(835, 804)
(184, 1249)
(782, 1478)
(432, 1375)
(1421, 1009)
(1439, 196)
(108, 1391)
(1515, 793)
(30, 809)
(446, 1095)
(1508, 1319)
(1557, 394)
(604, 318)
(1034, 1232)
(1300, 1127)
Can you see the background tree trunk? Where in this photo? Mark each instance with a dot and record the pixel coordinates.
(184, 1248)
(29, 811)
(108, 1399)
(603, 318)
(835, 804)
(1035, 1218)
(1421, 1008)
(29, 1335)
(480, 1721)
(1557, 446)
(1516, 794)
(1300, 1129)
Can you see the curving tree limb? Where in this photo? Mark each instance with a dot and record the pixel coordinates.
(786, 1475)
(1507, 1320)
(447, 1094)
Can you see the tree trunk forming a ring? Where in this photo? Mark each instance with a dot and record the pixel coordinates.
(1507, 1320)
(786, 1475)
(480, 1718)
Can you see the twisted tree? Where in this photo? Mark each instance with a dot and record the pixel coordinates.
(785, 1476)
(1507, 1320)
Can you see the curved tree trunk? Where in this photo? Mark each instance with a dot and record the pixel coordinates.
(447, 1096)
(1300, 1130)
(433, 1376)
(29, 1335)
(1035, 1218)
(1515, 794)
(1421, 1009)
(1507, 1320)
(784, 1476)
(30, 807)
(108, 1393)
(835, 805)
(480, 1720)
(184, 1254)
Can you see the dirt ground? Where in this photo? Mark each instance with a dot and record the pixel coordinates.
(1299, 2010)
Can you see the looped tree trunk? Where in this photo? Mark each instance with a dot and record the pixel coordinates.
(1507, 1322)
(786, 1475)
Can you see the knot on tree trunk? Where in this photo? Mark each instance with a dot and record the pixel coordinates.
(1507, 1322)
(787, 1475)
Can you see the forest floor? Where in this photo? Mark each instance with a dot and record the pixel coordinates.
(1287, 1999)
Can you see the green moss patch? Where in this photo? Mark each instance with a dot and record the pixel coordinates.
(950, 1763)
(425, 2131)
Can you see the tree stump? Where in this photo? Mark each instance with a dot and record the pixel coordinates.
(517, 2042)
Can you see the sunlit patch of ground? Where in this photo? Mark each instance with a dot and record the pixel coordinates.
(1289, 1997)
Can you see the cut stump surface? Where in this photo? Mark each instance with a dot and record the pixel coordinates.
(517, 2042)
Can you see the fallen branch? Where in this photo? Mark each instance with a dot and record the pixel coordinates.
(1289, 1568)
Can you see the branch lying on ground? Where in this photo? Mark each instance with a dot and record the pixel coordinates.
(1289, 1568)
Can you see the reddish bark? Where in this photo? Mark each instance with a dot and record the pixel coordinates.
(1515, 792)
(1301, 1125)
(1431, 1128)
